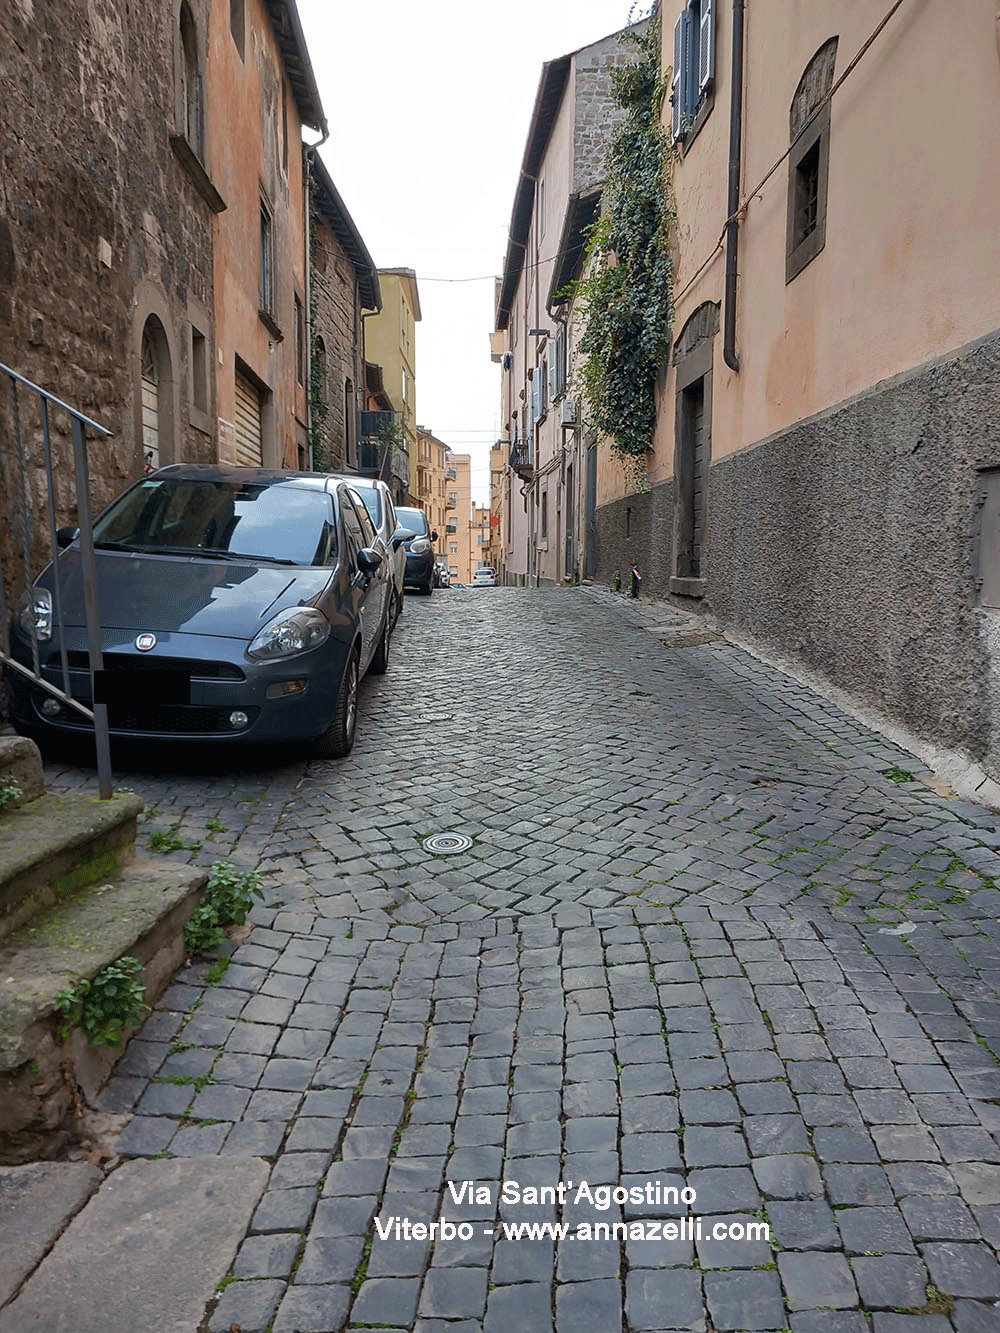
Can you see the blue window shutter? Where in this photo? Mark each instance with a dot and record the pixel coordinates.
(706, 46)
(677, 80)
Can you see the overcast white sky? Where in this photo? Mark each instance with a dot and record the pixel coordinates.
(428, 103)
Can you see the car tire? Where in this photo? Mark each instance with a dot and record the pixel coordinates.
(429, 589)
(338, 739)
(380, 662)
(397, 607)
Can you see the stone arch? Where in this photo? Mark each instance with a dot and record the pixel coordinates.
(154, 350)
(701, 325)
(813, 87)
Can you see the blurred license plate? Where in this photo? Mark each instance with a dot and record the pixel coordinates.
(142, 687)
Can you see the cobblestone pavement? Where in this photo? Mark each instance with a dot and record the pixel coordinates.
(710, 932)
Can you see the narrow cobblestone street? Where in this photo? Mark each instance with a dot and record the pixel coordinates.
(709, 931)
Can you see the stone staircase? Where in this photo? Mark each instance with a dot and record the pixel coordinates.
(73, 898)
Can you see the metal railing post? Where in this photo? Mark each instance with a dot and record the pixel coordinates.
(88, 566)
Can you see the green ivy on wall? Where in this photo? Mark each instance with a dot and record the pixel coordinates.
(626, 291)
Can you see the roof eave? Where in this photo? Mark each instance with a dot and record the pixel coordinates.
(291, 41)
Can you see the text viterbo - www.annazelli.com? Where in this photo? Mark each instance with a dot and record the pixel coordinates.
(600, 1197)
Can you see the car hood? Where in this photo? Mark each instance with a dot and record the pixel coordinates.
(183, 594)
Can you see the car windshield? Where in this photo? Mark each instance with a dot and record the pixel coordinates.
(271, 521)
(373, 502)
(414, 519)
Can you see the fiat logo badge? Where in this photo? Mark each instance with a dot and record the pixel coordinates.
(145, 641)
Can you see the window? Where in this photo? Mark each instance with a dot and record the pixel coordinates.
(199, 370)
(237, 25)
(809, 161)
(192, 122)
(693, 79)
(266, 258)
(544, 524)
(300, 341)
(453, 548)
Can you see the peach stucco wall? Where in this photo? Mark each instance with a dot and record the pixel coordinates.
(911, 263)
(244, 125)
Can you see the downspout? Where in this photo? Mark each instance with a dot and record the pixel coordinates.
(735, 157)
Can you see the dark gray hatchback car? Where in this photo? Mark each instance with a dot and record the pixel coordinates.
(235, 604)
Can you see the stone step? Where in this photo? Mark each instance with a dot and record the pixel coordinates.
(147, 1251)
(21, 765)
(141, 912)
(58, 844)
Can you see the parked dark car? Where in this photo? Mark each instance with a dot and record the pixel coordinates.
(382, 512)
(419, 550)
(235, 604)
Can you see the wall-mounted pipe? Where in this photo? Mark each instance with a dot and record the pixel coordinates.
(735, 157)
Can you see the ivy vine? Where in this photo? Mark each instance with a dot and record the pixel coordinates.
(626, 291)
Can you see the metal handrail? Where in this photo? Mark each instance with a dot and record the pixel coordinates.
(24, 519)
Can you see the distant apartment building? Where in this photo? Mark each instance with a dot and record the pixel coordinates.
(458, 514)
(496, 556)
(431, 487)
(479, 537)
(390, 342)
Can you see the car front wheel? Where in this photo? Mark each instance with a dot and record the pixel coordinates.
(338, 739)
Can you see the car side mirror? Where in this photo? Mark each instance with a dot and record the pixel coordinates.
(401, 535)
(368, 560)
(66, 536)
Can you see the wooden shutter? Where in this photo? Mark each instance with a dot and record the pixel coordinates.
(677, 82)
(249, 430)
(536, 395)
(706, 46)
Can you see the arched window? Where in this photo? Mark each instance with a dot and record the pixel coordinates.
(156, 403)
(192, 109)
(809, 161)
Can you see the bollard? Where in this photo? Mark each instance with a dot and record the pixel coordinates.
(636, 580)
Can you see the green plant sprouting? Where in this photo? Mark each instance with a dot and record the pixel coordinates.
(10, 792)
(226, 901)
(106, 1005)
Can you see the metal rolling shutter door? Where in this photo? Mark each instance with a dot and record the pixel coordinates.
(249, 443)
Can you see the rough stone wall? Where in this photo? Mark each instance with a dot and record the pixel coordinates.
(596, 114)
(97, 215)
(846, 543)
(337, 320)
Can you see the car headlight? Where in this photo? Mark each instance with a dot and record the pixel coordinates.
(289, 633)
(419, 545)
(36, 607)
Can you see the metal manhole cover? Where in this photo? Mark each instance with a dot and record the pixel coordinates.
(439, 843)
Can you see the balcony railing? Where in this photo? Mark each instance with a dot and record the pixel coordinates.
(521, 461)
(450, 503)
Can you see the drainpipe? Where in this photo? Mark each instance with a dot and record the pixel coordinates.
(735, 155)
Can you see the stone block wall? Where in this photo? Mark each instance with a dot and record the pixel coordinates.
(336, 319)
(595, 113)
(848, 543)
(99, 223)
